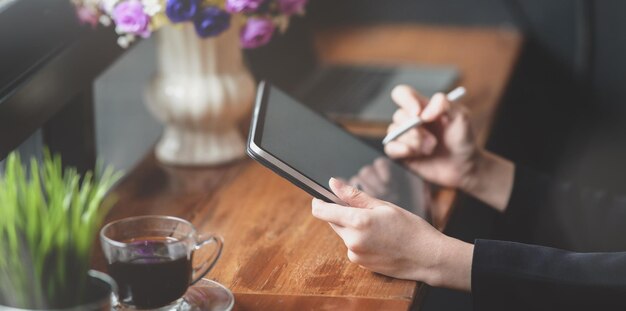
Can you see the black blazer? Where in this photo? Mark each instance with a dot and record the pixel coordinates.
(516, 276)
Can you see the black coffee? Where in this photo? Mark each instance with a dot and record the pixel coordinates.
(153, 279)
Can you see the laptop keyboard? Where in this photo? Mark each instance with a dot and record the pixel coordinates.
(344, 89)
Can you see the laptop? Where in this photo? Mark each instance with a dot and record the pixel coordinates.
(362, 93)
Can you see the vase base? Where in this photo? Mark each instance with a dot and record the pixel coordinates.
(199, 148)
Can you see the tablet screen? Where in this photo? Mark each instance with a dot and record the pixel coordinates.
(319, 149)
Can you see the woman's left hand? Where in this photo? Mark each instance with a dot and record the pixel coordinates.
(387, 239)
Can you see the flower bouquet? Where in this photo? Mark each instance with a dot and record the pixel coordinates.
(202, 88)
(140, 18)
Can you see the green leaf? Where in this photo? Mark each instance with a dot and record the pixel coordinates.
(48, 220)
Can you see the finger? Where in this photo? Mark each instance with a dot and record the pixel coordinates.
(356, 182)
(381, 165)
(408, 99)
(398, 150)
(334, 213)
(349, 237)
(368, 174)
(418, 141)
(392, 127)
(343, 233)
(401, 116)
(370, 180)
(438, 106)
(429, 143)
(459, 126)
(421, 141)
(459, 112)
(354, 240)
(352, 196)
(362, 184)
(360, 260)
(337, 228)
(341, 179)
(412, 139)
(353, 257)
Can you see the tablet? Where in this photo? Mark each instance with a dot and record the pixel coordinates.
(307, 149)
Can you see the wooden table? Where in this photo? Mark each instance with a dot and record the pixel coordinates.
(277, 256)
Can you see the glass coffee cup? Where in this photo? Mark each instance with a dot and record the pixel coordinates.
(151, 259)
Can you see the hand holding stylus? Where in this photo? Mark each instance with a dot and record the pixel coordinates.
(442, 150)
(453, 96)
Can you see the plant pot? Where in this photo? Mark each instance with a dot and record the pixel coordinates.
(201, 92)
(100, 291)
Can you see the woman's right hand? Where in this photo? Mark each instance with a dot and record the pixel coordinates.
(443, 150)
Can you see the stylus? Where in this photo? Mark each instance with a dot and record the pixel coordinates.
(453, 96)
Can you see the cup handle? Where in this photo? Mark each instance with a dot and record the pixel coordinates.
(207, 265)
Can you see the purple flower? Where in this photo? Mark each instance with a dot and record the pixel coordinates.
(291, 6)
(181, 10)
(243, 6)
(256, 32)
(130, 18)
(211, 22)
(87, 16)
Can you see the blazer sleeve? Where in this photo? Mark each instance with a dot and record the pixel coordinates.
(563, 214)
(515, 276)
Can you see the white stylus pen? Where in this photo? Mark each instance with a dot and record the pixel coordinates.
(454, 95)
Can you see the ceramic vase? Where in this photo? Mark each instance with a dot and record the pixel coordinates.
(201, 92)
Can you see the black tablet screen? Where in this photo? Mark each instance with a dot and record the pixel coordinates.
(319, 149)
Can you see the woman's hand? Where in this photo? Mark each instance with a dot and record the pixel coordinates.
(384, 238)
(444, 150)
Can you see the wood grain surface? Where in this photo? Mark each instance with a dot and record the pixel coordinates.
(273, 244)
(250, 302)
(276, 255)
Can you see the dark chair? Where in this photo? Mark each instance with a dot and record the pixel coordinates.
(48, 63)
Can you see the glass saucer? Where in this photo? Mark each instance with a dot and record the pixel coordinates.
(207, 295)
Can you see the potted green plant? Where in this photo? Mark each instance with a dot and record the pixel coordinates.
(49, 217)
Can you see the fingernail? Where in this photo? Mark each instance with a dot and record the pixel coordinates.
(337, 182)
(315, 206)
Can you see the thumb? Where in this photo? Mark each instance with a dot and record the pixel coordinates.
(352, 196)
